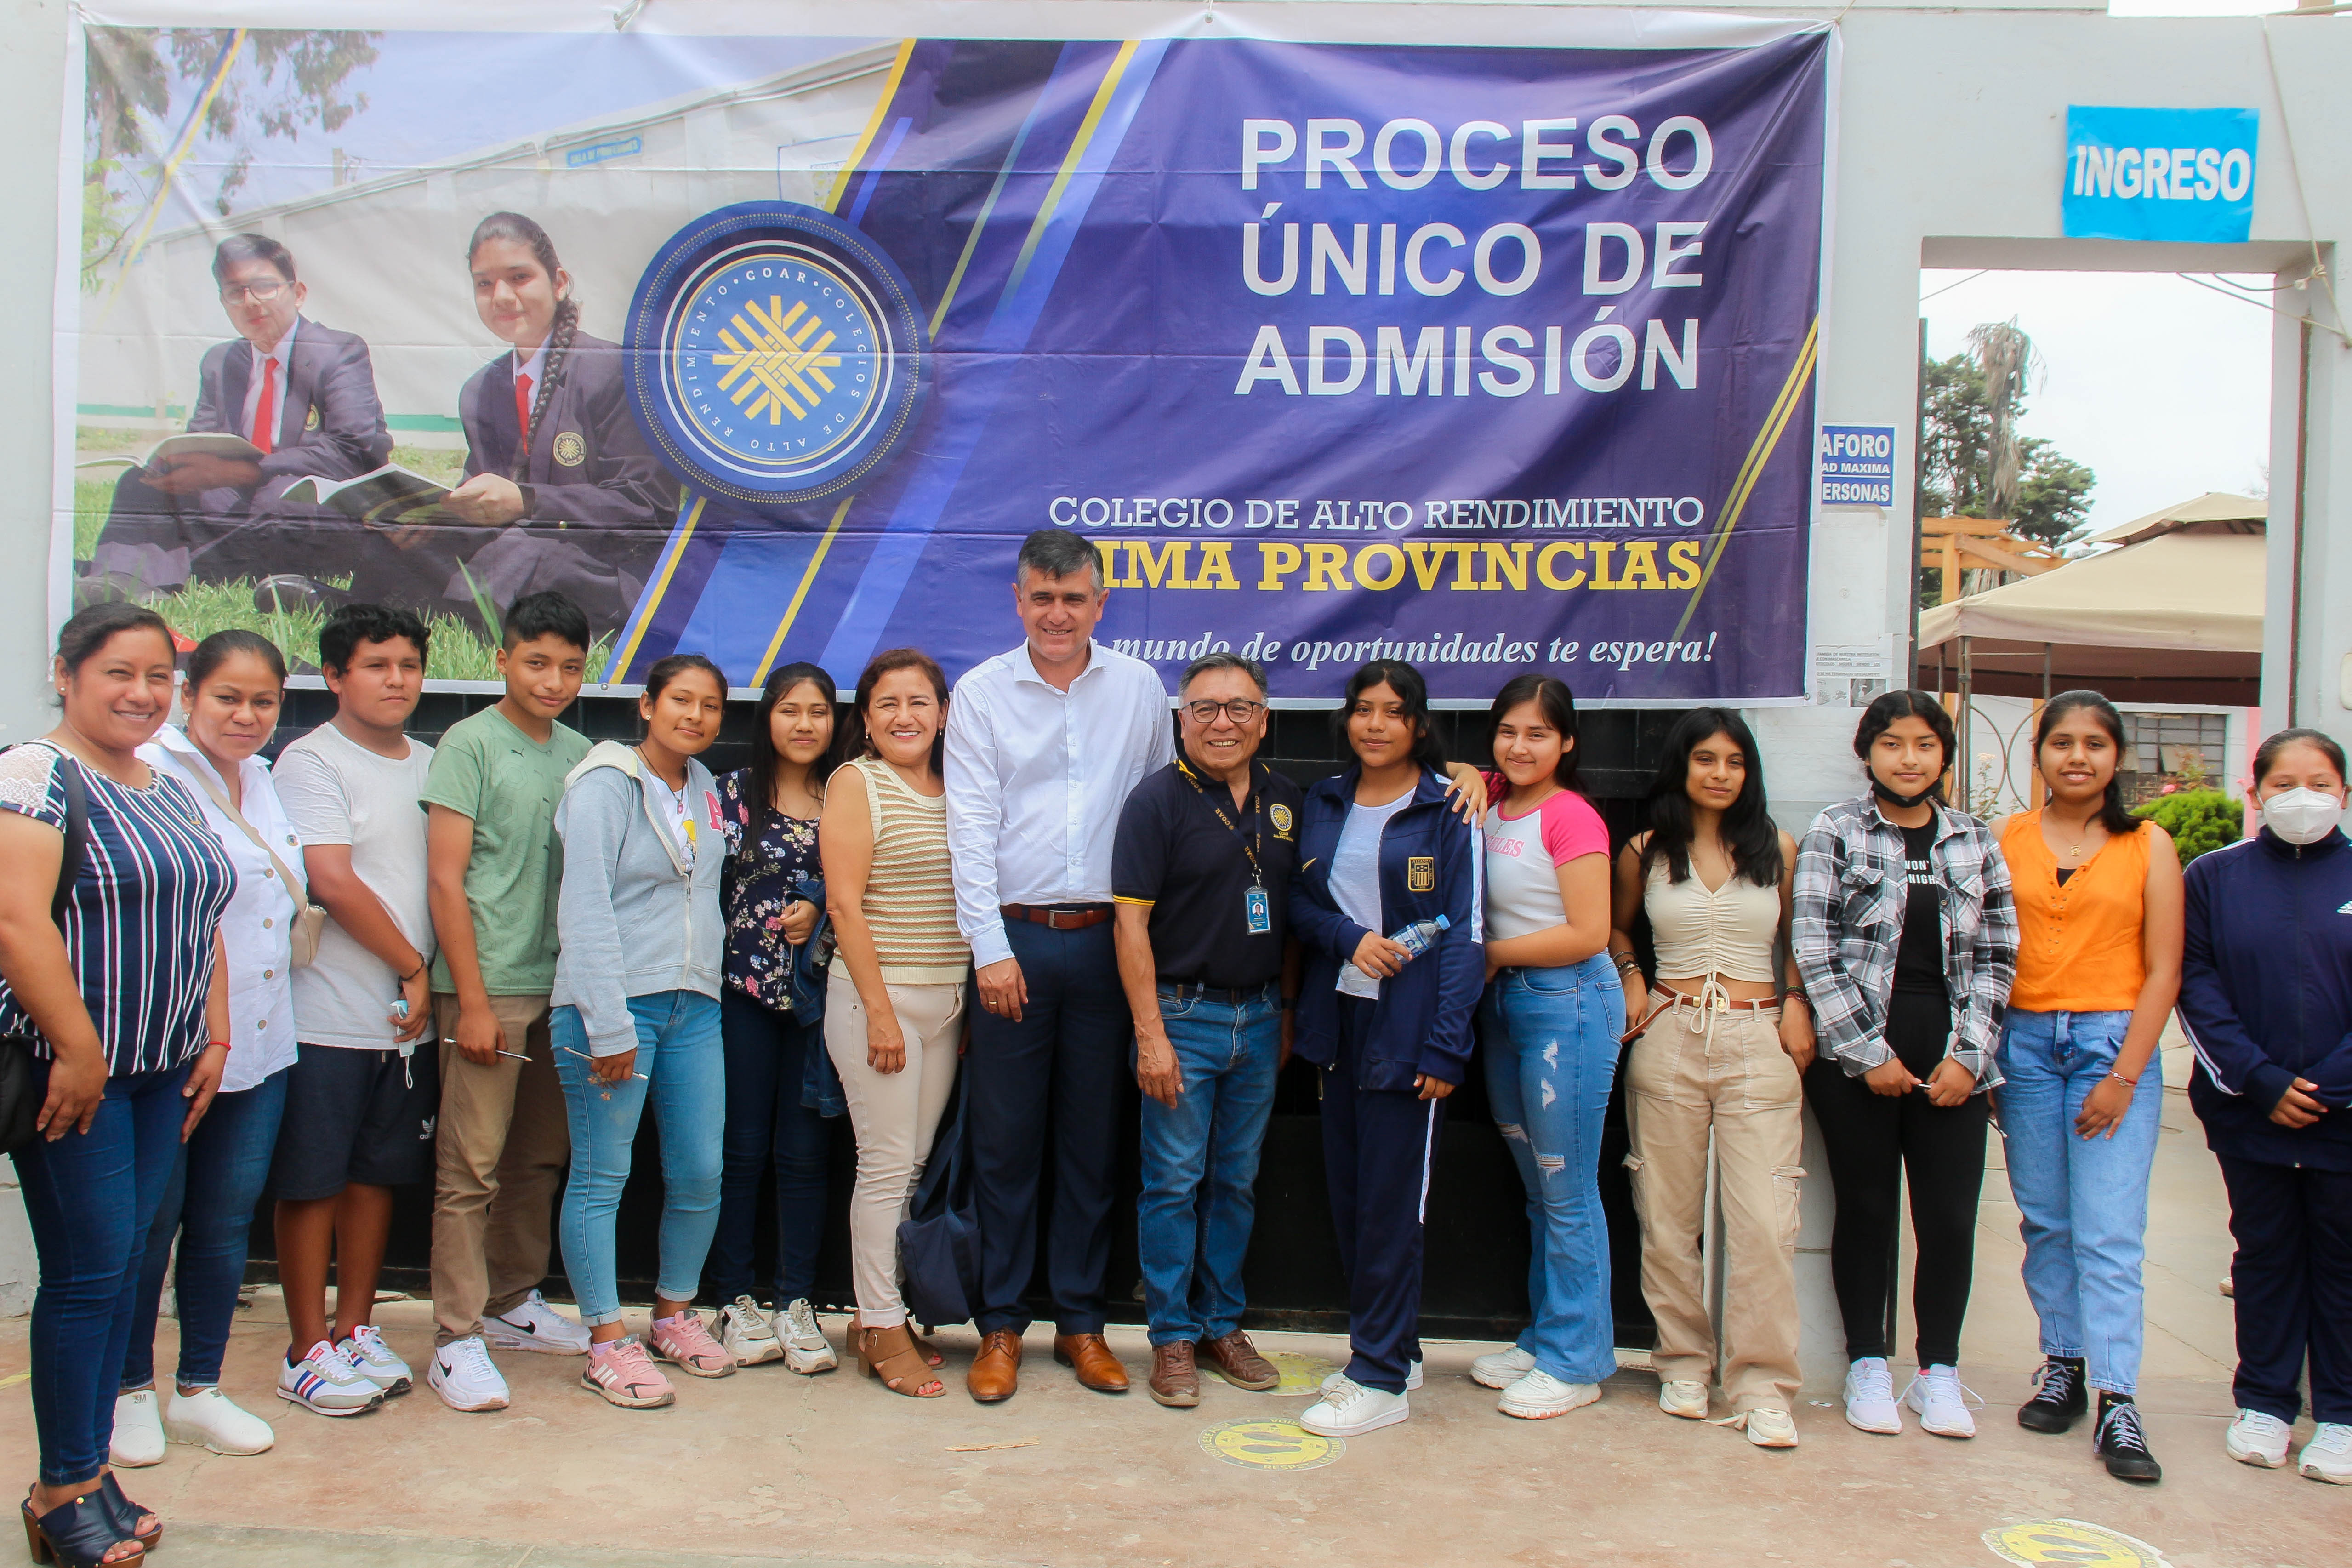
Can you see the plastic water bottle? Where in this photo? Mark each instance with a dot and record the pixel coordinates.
(1421, 936)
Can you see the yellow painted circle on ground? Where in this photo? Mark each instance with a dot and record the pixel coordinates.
(1301, 1374)
(1261, 1445)
(2073, 1543)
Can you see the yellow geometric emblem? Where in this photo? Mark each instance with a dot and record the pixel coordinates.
(1263, 1445)
(2071, 1542)
(775, 357)
(569, 449)
(1420, 874)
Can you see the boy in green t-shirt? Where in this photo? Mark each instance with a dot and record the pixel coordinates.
(495, 866)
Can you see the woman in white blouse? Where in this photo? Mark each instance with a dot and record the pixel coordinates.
(236, 685)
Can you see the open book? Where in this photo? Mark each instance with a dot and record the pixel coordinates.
(390, 498)
(187, 444)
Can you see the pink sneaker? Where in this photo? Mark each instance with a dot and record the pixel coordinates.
(626, 1376)
(685, 1344)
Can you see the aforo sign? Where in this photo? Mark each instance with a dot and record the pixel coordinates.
(2160, 173)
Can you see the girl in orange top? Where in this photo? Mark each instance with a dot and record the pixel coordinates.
(2098, 965)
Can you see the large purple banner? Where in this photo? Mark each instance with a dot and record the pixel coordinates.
(1490, 359)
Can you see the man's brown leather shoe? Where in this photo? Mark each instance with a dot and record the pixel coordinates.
(996, 1370)
(1098, 1368)
(1238, 1360)
(1175, 1381)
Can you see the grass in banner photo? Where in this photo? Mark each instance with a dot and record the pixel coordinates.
(457, 652)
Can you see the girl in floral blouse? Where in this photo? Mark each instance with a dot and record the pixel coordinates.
(773, 892)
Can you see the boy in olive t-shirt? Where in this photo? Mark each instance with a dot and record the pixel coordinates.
(494, 867)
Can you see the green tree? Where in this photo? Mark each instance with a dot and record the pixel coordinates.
(282, 84)
(1972, 462)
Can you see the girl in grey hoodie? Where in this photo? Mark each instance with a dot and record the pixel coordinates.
(636, 1014)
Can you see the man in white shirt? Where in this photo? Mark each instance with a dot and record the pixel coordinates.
(1043, 745)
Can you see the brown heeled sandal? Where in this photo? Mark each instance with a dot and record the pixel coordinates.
(889, 1355)
(924, 1348)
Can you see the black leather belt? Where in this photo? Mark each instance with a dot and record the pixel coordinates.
(1223, 996)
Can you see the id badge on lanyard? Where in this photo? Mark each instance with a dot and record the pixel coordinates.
(1260, 911)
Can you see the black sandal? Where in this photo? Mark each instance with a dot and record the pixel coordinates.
(76, 1535)
(126, 1514)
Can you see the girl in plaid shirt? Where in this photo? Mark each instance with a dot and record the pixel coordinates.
(1906, 939)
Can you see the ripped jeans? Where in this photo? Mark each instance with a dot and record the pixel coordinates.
(1551, 1052)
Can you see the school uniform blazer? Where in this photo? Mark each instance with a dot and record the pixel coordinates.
(590, 465)
(330, 420)
(1429, 867)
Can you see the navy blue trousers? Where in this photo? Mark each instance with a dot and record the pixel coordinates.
(767, 1058)
(1379, 1147)
(2292, 1285)
(1057, 1072)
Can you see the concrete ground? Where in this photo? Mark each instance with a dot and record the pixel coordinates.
(767, 1466)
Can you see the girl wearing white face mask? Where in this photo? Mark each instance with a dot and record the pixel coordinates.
(2266, 997)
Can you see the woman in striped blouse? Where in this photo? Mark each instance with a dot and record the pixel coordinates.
(894, 1003)
(115, 989)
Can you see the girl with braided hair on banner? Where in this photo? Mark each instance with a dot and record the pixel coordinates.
(561, 490)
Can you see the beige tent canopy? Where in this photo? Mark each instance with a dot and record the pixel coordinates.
(2174, 614)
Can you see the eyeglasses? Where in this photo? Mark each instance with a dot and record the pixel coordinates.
(259, 293)
(1241, 710)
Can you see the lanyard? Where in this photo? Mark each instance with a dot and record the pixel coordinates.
(1257, 840)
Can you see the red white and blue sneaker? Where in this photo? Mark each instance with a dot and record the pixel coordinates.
(323, 1381)
(374, 1360)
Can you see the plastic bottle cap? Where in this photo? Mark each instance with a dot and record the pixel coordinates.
(1443, 924)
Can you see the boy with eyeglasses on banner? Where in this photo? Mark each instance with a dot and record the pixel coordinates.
(304, 397)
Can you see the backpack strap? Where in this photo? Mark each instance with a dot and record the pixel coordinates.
(77, 845)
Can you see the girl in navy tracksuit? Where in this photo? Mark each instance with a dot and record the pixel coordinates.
(2266, 997)
(1379, 850)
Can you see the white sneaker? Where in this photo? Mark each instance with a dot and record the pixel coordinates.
(748, 1333)
(1500, 1368)
(2255, 1438)
(1349, 1409)
(535, 1326)
(2328, 1455)
(138, 1438)
(1412, 1378)
(465, 1378)
(210, 1419)
(1942, 1402)
(365, 1350)
(1538, 1396)
(1870, 1397)
(1770, 1429)
(325, 1383)
(806, 1350)
(1682, 1397)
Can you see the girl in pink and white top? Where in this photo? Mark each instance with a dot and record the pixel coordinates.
(1550, 1020)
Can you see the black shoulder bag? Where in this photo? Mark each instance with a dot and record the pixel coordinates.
(23, 1086)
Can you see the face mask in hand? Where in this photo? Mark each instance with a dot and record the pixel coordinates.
(2302, 816)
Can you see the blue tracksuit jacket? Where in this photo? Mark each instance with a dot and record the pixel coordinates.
(2267, 995)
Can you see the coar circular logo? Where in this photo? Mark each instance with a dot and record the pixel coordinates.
(776, 354)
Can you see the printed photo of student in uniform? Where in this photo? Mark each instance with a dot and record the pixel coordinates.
(561, 490)
(303, 395)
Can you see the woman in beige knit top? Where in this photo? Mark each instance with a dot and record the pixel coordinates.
(894, 998)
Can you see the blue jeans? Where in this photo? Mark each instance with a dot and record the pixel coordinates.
(1200, 1164)
(209, 1205)
(1551, 1054)
(89, 1197)
(684, 1068)
(767, 1055)
(2083, 1202)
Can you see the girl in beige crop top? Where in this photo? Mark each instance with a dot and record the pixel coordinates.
(1720, 926)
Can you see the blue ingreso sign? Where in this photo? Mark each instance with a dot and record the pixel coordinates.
(2159, 174)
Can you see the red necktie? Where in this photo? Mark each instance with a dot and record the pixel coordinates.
(522, 410)
(265, 412)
